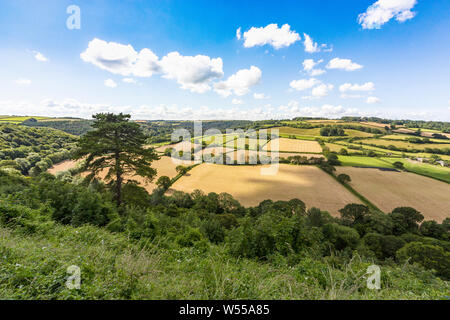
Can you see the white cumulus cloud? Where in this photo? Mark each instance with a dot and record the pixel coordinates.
(39, 56)
(129, 80)
(372, 100)
(310, 45)
(121, 59)
(237, 101)
(110, 83)
(271, 35)
(343, 64)
(192, 72)
(308, 66)
(260, 96)
(368, 86)
(239, 83)
(321, 90)
(238, 33)
(303, 84)
(382, 11)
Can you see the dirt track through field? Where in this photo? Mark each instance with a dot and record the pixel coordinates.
(389, 190)
(246, 184)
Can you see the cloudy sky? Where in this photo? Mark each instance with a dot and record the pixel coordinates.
(226, 59)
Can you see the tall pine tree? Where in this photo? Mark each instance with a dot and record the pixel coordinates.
(116, 146)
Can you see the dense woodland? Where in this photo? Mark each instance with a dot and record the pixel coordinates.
(33, 150)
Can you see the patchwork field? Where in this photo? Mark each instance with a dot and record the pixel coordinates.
(297, 131)
(434, 171)
(363, 162)
(406, 136)
(404, 144)
(388, 190)
(294, 145)
(246, 184)
(243, 156)
(18, 119)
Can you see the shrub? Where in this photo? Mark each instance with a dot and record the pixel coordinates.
(340, 236)
(344, 178)
(213, 230)
(429, 256)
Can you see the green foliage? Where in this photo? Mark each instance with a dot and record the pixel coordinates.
(398, 165)
(204, 246)
(405, 220)
(383, 246)
(429, 256)
(344, 178)
(117, 146)
(340, 237)
(164, 182)
(32, 150)
(329, 131)
(76, 127)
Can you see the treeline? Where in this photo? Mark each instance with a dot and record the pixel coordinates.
(443, 151)
(161, 130)
(76, 127)
(432, 125)
(338, 130)
(33, 150)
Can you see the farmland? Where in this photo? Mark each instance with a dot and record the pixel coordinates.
(250, 187)
(294, 145)
(404, 144)
(363, 162)
(390, 189)
(437, 172)
(230, 209)
(17, 119)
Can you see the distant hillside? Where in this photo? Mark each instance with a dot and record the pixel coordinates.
(33, 150)
(73, 126)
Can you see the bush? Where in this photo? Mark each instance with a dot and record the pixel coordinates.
(405, 220)
(213, 230)
(344, 178)
(189, 237)
(429, 256)
(340, 236)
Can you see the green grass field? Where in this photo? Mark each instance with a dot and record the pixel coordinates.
(429, 170)
(406, 136)
(403, 144)
(356, 161)
(315, 132)
(18, 120)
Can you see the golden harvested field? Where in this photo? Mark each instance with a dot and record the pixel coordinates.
(357, 133)
(250, 187)
(388, 190)
(335, 147)
(185, 145)
(294, 145)
(165, 167)
(298, 131)
(62, 166)
(375, 124)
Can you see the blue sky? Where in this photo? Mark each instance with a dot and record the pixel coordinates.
(183, 59)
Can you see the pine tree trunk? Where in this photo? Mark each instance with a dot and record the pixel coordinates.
(118, 181)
